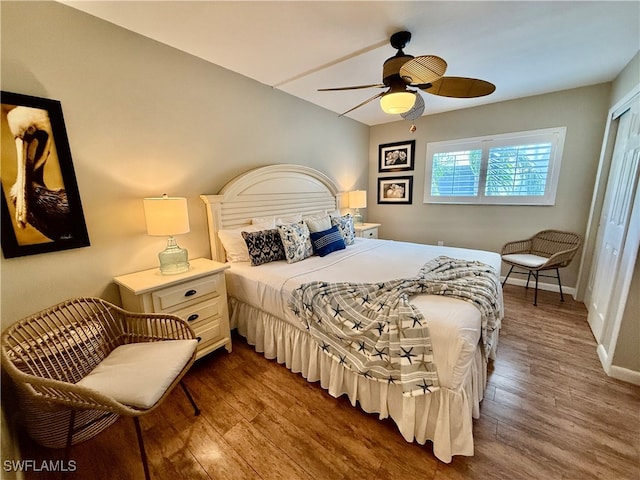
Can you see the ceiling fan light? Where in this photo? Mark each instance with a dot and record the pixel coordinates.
(397, 102)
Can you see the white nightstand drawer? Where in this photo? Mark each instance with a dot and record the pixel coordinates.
(370, 233)
(367, 230)
(208, 334)
(201, 311)
(169, 297)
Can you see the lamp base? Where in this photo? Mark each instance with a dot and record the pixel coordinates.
(357, 217)
(173, 259)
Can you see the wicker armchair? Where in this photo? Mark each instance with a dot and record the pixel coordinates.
(546, 250)
(89, 361)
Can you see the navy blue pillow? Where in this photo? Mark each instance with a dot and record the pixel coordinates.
(264, 246)
(327, 241)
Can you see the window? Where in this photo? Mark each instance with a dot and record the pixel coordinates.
(513, 169)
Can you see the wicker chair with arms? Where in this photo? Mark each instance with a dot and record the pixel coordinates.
(87, 355)
(546, 250)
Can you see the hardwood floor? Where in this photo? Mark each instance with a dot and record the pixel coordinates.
(550, 412)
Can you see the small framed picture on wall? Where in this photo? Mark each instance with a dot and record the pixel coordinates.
(396, 157)
(395, 190)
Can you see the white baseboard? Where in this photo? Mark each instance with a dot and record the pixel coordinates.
(625, 374)
(619, 373)
(602, 355)
(551, 287)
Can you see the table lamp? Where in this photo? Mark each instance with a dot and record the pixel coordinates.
(168, 216)
(358, 200)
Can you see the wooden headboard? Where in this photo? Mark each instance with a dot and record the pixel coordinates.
(272, 190)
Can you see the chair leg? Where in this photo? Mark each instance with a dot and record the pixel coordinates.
(559, 285)
(535, 295)
(505, 278)
(196, 410)
(528, 277)
(143, 454)
(67, 450)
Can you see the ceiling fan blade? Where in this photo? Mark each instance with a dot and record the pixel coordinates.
(378, 95)
(460, 87)
(416, 111)
(423, 69)
(373, 85)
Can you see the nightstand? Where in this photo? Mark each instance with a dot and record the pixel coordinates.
(198, 295)
(367, 230)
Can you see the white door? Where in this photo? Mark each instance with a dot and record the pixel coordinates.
(614, 221)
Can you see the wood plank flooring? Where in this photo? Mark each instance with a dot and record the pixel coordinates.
(550, 412)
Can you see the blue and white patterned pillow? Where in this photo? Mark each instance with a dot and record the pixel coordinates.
(264, 246)
(345, 225)
(296, 240)
(327, 241)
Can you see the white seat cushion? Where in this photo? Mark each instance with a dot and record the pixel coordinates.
(138, 374)
(525, 259)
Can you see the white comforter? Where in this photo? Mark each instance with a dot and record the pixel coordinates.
(454, 324)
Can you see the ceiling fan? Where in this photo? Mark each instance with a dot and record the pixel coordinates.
(425, 73)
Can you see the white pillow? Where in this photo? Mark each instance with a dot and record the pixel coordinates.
(318, 223)
(234, 244)
(138, 374)
(285, 219)
(268, 222)
(278, 219)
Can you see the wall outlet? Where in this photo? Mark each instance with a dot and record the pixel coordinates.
(441, 243)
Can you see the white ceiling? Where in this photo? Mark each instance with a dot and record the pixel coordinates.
(523, 47)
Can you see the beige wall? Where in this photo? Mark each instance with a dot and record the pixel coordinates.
(583, 111)
(626, 80)
(145, 119)
(627, 350)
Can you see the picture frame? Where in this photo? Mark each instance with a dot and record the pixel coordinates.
(395, 190)
(40, 203)
(396, 157)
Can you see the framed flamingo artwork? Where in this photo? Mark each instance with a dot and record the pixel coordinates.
(41, 209)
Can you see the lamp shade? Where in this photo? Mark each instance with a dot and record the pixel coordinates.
(397, 102)
(358, 199)
(166, 216)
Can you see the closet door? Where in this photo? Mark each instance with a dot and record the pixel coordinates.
(603, 301)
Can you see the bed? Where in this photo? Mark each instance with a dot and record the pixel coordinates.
(263, 310)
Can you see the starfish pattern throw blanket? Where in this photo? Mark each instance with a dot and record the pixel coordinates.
(373, 329)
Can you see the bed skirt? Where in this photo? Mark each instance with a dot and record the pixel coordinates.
(444, 417)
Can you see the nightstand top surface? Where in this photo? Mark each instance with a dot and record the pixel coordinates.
(364, 226)
(148, 280)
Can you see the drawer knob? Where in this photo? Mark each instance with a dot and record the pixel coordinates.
(199, 339)
(189, 293)
(193, 317)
